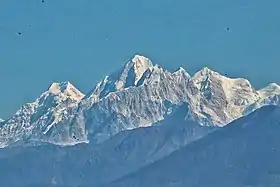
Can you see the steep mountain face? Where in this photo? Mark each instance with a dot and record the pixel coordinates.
(35, 120)
(213, 99)
(126, 77)
(244, 153)
(224, 98)
(136, 106)
(140, 94)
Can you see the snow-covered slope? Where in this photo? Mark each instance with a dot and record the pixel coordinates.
(1, 120)
(269, 95)
(213, 100)
(135, 106)
(127, 76)
(245, 153)
(140, 94)
(110, 109)
(35, 120)
(224, 98)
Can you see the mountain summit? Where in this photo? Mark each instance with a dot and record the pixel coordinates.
(140, 94)
(133, 71)
(35, 120)
(67, 89)
(129, 75)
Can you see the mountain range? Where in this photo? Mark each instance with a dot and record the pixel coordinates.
(136, 122)
(139, 94)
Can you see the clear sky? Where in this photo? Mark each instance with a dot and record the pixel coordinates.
(84, 40)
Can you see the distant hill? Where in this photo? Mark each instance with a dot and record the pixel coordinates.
(245, 153)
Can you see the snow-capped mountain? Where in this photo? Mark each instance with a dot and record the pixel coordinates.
(244, 153)
(269, 95)
(127, 76)
(223, 99)
(135, 106)
(213, 99)
(1, 120)
(35, 120)
(140, 94)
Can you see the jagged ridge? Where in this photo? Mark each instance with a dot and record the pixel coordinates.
(138, 95)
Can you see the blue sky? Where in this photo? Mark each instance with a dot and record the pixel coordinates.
(82, 41)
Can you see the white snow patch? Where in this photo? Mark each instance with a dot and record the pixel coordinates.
(140, 65)
(270, 90)
(66, 88)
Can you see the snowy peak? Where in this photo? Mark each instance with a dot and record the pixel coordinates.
(270, 90)
(153, 75)
(139, 94)
(181, 72)
(205, 71)
(269, 95)
(1, 120)
(205, 74)
(57, 88)
(128, 76)
(140, 65)
(133, 71)
(224, 98)
(36, 120)
(67, 89)
(233, 88)
(202, 78)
